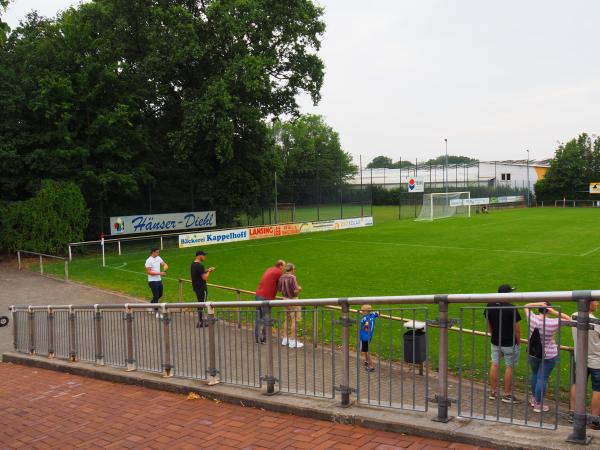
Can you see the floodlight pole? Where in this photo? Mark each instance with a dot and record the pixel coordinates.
(446, 170)
(528, 195)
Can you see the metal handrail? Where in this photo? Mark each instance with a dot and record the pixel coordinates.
(41, 256)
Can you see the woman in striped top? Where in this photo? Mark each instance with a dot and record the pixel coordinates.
(542, 367)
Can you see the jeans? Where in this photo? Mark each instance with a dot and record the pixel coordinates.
(259, 326)
(540, 375)
(157, 290)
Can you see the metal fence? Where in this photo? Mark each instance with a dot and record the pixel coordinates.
(22, 254)
(328, 359)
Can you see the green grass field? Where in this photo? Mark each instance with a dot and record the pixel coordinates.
(532, 249)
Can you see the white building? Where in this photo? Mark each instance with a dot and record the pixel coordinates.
(514, 174)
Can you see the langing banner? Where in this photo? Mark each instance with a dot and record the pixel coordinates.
(152, 223)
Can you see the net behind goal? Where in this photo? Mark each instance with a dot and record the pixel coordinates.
(440, 205)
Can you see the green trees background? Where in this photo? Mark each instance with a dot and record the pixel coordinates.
(154, 106)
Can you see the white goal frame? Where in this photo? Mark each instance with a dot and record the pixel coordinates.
(433, 195)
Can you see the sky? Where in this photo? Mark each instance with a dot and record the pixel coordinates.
(494, 78)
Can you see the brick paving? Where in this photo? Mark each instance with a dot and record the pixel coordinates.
(43, 409)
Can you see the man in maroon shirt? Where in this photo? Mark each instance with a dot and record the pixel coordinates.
(267, 289)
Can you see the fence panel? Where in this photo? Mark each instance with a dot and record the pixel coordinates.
(40, 320)
(84, 335)
(61, 334)
(114, 338)
(22, 324)
(478, 360)
(189, 340)
(147, 340)
(398, 373)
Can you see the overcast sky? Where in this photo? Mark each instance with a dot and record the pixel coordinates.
(495, 78)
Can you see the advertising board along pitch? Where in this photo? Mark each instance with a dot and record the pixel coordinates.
(147, 223)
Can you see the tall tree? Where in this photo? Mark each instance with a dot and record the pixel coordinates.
(452, 159)
(312, 161)
(172, 97)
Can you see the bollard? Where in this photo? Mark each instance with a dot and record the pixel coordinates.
(345, 388)
(66, 270)
(98, 336)
(129, 332)
(578, 436)
(51, 351)
(166, 320)
(72, 342)
(212, 355)
(31, 332)
(269, 378)
(442, 396)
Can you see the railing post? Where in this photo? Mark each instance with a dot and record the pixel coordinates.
(442, 395)
(119, 246)
(41, 266)
(31, 332)
(50, 333)
(166, 320)
(129, 334)
(72, 342)
(161, 242)
(180, 281)
(269, 378)
(66, 270)
(315, 326)
(212, 371)
(345, 388)
(19, 258)
(15, 325)
(98, 336)
(238, 298)
(578, 436)
(70, 253)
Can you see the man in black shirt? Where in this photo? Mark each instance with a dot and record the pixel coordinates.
(503, 323)
(199, 276)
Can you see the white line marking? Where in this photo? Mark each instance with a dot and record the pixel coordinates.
(590, 252)
(445, 247)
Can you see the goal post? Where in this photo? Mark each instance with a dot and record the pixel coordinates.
(441, 205)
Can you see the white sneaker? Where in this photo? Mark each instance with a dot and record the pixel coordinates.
(299, 344)
(284, 341)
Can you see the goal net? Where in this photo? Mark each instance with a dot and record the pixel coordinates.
(440, 205)
(286, 212)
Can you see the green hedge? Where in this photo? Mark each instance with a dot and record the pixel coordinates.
(45, 223)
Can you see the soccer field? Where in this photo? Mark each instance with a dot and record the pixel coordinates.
(532, 249)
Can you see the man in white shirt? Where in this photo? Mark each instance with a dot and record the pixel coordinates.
(593, 364)
(153, 265)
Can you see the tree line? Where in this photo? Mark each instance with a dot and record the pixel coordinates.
(385, 162)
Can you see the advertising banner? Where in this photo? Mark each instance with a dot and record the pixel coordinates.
(269, 231)
(162, 222)
(415, 184)
(486, 200)
(213, 237)
(595, 188)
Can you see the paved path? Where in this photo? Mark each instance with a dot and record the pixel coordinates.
(43, 409)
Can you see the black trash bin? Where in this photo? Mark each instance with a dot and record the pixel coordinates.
(415, 345)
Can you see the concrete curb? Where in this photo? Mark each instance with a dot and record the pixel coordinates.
(474, 432)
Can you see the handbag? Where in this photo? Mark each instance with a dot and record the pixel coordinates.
(535, 344)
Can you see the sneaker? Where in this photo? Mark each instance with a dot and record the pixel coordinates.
(570, 417)
(595, 426)
(200, 324)
(159, 315)
(493, 396)
(532, 401)
(292, 343)
(370, 369)
(538, 408)
(509, 398)
(299, 344)
(284, 341)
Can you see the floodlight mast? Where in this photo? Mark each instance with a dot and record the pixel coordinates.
(446, 169)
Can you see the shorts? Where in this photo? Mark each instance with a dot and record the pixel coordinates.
(594, 374)
(293, 313)
(364, 346)
(510, 354)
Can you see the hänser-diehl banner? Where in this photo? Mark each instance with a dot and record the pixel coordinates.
(269, 231)
(162, 222)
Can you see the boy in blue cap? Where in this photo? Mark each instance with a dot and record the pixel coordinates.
(367, 326)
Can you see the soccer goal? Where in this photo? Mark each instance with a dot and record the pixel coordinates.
(440, 205)
(286, 212)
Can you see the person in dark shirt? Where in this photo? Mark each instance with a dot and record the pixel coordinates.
(199, 276)
(503, 323)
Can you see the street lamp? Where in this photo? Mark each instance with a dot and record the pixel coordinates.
(528, 194)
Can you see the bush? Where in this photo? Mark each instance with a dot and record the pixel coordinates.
(45, 223)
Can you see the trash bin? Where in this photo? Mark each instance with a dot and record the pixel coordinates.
(415, 342)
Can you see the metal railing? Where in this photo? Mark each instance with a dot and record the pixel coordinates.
(41, 257)
(222, 348)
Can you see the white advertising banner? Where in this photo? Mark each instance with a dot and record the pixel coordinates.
(269, 231)
(152, 223)
(486, 200)
(213, 237)
(415, 184)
